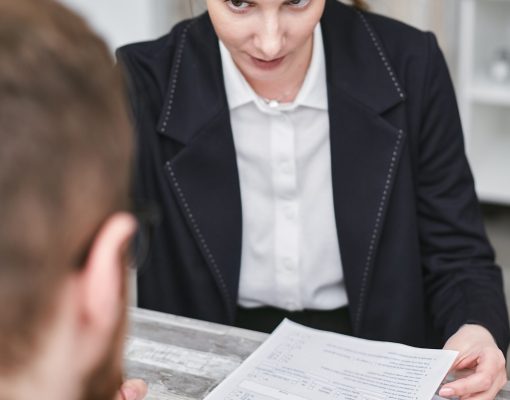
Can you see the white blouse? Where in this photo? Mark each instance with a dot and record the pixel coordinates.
(290, 253)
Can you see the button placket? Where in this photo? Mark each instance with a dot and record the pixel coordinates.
(286, 225)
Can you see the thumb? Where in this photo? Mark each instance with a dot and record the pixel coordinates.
(133, 389)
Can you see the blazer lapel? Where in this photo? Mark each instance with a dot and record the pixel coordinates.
(365, 147)
(203, 175)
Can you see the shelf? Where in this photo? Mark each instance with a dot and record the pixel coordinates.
(491, 169)
(485, 103)
(490, 93)
(491, 193)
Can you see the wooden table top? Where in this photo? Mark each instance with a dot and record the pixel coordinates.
(184, 359)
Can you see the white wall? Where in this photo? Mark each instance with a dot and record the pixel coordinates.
(125, 21)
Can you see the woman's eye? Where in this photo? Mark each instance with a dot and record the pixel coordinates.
(238, 4)
(298, 3)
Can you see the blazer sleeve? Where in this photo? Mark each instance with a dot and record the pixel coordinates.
(462, 282)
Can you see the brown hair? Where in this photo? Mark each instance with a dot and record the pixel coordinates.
(360, 4)
(65, 154)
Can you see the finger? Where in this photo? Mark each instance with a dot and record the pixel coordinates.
(497, 384)
(479, 382)
(490, 372)
(133, 389)
(465, 361)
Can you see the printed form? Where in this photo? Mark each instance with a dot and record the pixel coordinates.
(300, 363)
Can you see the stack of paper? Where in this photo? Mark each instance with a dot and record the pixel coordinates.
(300, 363)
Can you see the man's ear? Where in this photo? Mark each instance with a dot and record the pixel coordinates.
(100, 282)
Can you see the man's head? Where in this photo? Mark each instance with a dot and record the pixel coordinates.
(65, 153)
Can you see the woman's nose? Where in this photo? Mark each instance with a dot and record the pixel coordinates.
(269, 40)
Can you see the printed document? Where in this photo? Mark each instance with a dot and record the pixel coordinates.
(300, 363)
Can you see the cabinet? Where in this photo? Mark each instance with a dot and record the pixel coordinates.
(484, 94)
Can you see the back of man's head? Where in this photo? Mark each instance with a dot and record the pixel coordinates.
(65, 150)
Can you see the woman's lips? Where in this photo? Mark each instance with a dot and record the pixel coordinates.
(267, 65)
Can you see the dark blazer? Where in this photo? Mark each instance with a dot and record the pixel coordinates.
(417, 263)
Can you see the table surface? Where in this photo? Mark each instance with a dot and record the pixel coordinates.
(184, 359)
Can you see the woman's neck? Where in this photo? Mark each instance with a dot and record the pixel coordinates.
(285, 87)
(281, 91)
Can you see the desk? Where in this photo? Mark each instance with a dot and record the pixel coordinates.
(184, 359)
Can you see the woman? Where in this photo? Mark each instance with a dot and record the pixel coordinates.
(307, 159)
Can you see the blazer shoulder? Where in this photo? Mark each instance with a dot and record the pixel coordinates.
(414, 55)
(347, 19)
(363, 32)
(398, 38)
(147, 65)
(152, 56)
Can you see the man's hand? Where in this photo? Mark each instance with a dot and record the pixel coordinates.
(132, 389)
(478, 353)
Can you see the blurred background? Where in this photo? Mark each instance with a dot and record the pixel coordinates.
(475, 37)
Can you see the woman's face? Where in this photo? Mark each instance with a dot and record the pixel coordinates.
(268, 39)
